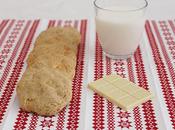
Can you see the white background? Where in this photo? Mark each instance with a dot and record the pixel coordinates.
(72, 9)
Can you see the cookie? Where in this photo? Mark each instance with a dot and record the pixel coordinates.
(45, 87)
(53, 34)
(53, 50)
(43, 91)
(60, 63)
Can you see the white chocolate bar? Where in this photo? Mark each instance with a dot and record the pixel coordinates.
(120, 91)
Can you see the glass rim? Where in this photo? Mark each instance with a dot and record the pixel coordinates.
(129, 10)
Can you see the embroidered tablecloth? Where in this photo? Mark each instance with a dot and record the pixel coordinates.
(151, 67)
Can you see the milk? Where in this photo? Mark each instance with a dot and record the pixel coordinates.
(119, 32)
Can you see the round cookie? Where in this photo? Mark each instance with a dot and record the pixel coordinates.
(43, 91)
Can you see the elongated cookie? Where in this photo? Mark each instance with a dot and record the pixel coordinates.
(43, 91)
(45, 87)
(54, 34)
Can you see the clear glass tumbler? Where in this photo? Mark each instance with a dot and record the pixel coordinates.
(119, 25)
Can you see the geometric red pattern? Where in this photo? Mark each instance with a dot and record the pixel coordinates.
(61, 119)
(7, 48)
(148, 108)
(3, 24)
(33, 122)
(124, 124)
(107, 116)
(119, 68)
(136, 110)
(163, 77)
(74, 105)
(170, 43)
(123, 116)
(6, 31)
(21, 120)
(19, 65)
(11, 83)
(46, 123)
(172, 25)
(98, 101)
(137, 119)
(110, 106)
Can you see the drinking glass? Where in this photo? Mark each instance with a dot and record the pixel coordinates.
(119, 25)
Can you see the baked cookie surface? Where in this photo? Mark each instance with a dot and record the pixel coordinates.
(45, 87)
(43, 91)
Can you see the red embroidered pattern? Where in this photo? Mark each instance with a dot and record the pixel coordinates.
(2, 25)
(165, 84)
(8, 47)
(74, 106)
(123, 117)
(6, 32)
(110, 107)
(136, 111)
(124, 114)
(172, 25)
(119, 68)
(148, 109)
(61, 119)
(169, 40)
(33, 122)
(21, 120)
(47, 123)
(8, 90)
(17, 70)
(124, 124)
(98, 102)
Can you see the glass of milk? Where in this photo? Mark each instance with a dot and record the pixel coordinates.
(119, 25)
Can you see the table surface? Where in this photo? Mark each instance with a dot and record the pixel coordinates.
(152, 67)
(71, 9)
(83, 9)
